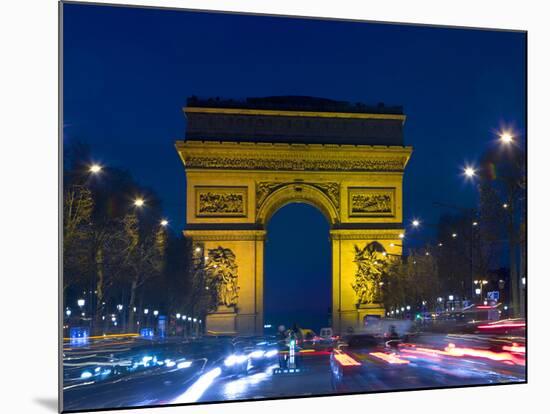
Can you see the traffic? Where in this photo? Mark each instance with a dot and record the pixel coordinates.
(386, 354)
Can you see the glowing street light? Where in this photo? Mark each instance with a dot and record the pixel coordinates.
(506, 138)
(451, 297)
(119, 307)
(95, 168)
(68, 312)
(475, 223)
(401, 235)
(415, 223)
(156, 312)
(505, 205)
(81, 302)
(139, 202)
(197, 249)
(164, 222)
(469, 172)
(454, 235)
(178, 315)
(146, 311)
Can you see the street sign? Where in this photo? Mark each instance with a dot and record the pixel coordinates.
(494, 295)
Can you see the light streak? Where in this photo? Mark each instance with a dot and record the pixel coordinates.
(346, 360)
(514, 348)
(502, 325)
(390, 358)
(195, 391)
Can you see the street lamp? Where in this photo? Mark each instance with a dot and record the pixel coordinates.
(95, 168)
(156, 312)
(506, 138)
(454, 235)
(164, 222)
(119, 307)
(81, 302)
(481, 283)
(178, 315)
(401, 235)
(146, 311)
(68, 312)
(469, 172)
(197, 249)
(451, 297)
(416, 223)
(139, 202)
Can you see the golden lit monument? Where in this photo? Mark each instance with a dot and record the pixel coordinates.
(246, 159)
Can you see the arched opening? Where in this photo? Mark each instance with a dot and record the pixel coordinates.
(297, 268)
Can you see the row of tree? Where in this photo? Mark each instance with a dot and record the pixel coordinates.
(116, 253)
(487, 243)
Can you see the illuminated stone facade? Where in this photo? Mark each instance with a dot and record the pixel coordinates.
(234, 186)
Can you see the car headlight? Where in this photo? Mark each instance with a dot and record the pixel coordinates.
(256, 354)
(234, 359)
(271, 353)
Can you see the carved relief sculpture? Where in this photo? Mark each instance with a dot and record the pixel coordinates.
(221, 276)
(265, 188)
(369, 164)
(365, 202)
(371, 265)
(216, 202)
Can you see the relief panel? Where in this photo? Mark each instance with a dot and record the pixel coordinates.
(221, 201)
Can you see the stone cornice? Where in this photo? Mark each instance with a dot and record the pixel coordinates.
(310, 114)
(292, 157)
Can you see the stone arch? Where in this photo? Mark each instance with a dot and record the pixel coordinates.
(297, 193)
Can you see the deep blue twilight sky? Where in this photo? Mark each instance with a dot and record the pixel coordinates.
(128, 71)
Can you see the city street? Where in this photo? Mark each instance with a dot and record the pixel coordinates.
(121, 372)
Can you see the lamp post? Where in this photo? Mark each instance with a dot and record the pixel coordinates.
(481, 283)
